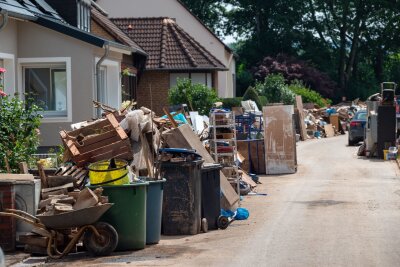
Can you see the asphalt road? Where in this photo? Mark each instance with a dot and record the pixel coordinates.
(337, 210)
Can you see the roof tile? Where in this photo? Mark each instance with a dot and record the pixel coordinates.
(169, 47)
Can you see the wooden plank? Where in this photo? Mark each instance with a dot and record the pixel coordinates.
(21, 177)
(23, 168)
(147, 155)
(184, 137)
(334, 120)
(50, 189)
(254, 153)
(86, 198)
(116, 126)
(329, 131)
(247, 179)
(170, 117)
(55, 181)
(42, 175)
(69, 143)
(303, 130)
(279, 139)
(120, 150)
(97, 138)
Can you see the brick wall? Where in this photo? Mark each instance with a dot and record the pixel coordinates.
(159, 81)
(98, 30)
(7, 224)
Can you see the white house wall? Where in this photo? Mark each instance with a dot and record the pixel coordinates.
(173, 9)
(28, 40)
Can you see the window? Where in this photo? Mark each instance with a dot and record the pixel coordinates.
(196, 77)
(83, 14)
(48, 86)
(8, 81)
(109, 90)
(48, 80)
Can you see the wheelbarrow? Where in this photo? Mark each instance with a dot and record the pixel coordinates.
(99, 238)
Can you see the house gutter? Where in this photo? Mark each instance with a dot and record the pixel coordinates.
(98, 64)
(4, 13)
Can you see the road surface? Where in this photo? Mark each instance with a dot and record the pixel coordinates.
(337, 210)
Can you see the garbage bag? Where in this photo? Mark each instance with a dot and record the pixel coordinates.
(242, 214)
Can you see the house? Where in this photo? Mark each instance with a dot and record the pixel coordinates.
(173, 54)
(176, 10)
(61, 61)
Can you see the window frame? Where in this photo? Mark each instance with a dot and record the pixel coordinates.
(207, 76)
(112, 83)
(83, 16)
(9, 76)
(48, 63)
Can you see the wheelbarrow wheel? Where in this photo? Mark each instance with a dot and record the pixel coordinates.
(104, 245)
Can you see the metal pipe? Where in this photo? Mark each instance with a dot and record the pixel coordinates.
(97, 74)
(4, 13)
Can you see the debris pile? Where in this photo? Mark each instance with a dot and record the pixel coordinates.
(328, 122)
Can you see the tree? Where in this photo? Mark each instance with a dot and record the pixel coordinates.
(346, 26)
(293, 69)
(198, 96)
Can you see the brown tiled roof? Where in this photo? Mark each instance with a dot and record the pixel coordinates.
(113, 30)
(169, 47)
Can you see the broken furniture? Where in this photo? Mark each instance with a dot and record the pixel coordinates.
(100, 140)
(280, 140)
(253, 153)
(223, 144)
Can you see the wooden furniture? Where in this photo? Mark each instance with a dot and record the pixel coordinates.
(104, 139)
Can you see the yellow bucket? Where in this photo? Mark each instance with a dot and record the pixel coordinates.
(100, 174)
(385, 154)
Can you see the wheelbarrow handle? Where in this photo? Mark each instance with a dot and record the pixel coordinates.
(22, 216)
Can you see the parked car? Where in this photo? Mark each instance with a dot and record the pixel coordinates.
(357, 127)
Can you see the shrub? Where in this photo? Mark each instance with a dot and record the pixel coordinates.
(251, 94)
(19, 134)
(275, 90)
(198, 97)
(291, 69)
(229, 103)
(308, 95)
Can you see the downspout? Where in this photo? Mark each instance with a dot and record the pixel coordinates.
(4, 13)
(97, 74)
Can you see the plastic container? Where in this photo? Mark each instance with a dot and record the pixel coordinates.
(154, 210)
(385, 154)
(182, 197)
(100, 174)
(211, 194)
(128, 215)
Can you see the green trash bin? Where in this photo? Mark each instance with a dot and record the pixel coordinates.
(128, 215)
(154, 210)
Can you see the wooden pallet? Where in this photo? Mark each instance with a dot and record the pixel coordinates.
(101, 140)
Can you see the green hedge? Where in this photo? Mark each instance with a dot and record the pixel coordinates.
(232, 102)
(308, 95)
